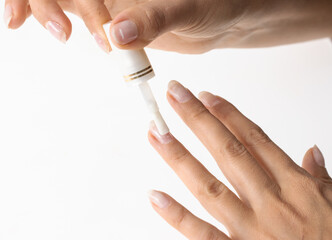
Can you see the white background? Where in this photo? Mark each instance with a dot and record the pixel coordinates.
(75, 162)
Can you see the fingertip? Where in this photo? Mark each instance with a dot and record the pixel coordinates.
(208, 99)
(102, 42)
(50, 15)
(128, 30)
(161, 138)
(313, 158)
(308, 158)
(15, 14)
(169, 96)
(155, 142)
(152, 139)
(179, 93)
(172, 83)
(66, 24)
(56, 14)
(57, 30)
(172, 101)
(124, 32)
(201, 94)
(8, 15)
(95, 15)
(318, 156)
(159, 199)
(313, 162)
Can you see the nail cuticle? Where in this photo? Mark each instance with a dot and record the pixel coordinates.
(208, 99)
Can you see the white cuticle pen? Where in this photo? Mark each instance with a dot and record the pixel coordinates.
(137, 70)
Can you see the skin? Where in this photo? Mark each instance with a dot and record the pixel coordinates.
(190, 26)
(277, 198)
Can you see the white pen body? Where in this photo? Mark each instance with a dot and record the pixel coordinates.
(136, 70)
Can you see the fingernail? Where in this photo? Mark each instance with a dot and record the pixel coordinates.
(124, 32)
(8, 15)
(179, 92)
(208, 99)
(318, 156)
(163, 139)
(56, 30)
(101, 43)
(159, 199)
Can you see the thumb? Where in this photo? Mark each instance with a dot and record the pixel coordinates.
(137, 26)
(314, 163)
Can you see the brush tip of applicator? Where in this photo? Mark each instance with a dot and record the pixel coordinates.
(160, 123)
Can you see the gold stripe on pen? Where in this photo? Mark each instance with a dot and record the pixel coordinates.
(133, 74)
(128, 79)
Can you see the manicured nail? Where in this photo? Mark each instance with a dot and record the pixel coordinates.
(318, 156)
(124, 32)
(56, 30)
(159, 199)
(179, 92)
(208, 99)
(8, 15)
(101, 43)
(163, 139)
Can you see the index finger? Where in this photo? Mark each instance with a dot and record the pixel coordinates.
(95, 14)
(221, 202)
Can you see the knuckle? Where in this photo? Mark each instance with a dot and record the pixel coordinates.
(156, 21)
(326, 179)
(309, 184)
(180, 218)
(233, 148)
(180, 157)
(198, 113)
(270, 196)
(327, 192)
(86, 15)
(256, 136)
(210, 234)
(91, 14)
(213, 189)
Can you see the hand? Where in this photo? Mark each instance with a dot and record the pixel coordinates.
(277, 199)
(50, 14)
(189, 25)
(197, 26)
(186, 26)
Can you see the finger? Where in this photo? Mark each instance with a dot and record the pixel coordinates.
(52, 17)
(136, 27)
(239, 167)
(314, 163)
(94, 13)
(16, 11)
(267, 153)
(182, 220)
(29, 12)
(222, 203)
